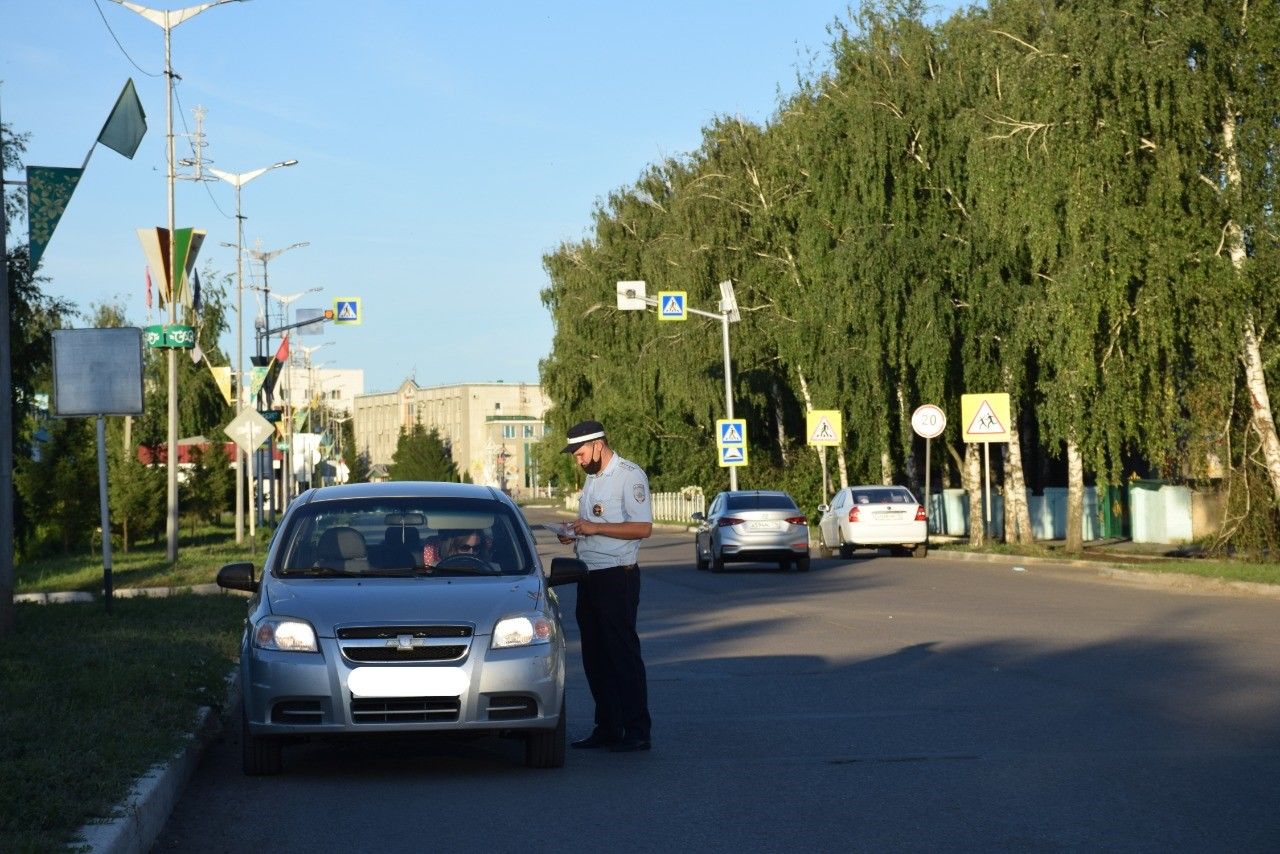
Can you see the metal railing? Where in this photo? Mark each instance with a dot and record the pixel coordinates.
(667, 506)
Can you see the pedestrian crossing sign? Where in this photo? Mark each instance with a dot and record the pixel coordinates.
(985, 417)
(671, 305)
(823, 427)
(346, 311)
(731, 441)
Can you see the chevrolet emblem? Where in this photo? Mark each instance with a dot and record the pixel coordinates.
(404, 642)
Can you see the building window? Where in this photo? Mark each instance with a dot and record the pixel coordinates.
(508, 431)
(528, 431)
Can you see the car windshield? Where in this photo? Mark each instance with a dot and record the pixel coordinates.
(887, 495)
(402, 537)
(758, 501)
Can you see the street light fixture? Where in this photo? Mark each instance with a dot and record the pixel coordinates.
(264, 340)
(238, 180)
(167, 19)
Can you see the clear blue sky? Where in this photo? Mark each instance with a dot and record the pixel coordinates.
(443, 147)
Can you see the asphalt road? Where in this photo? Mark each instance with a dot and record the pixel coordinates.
(876, 704)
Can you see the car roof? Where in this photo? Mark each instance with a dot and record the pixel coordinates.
(756, 492)
(402, 489)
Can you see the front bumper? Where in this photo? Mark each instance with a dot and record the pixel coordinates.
(293, 693)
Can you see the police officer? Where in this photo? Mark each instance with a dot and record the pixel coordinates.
(614, 515)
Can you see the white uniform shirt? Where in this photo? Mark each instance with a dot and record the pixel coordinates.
(619, 493)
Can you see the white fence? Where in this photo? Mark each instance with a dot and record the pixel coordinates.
(667, 506)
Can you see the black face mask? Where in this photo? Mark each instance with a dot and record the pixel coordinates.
(592, 467)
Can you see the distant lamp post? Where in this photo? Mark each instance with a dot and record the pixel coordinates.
(167, 19)
(238, 180)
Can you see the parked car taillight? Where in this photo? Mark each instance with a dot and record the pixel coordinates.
(921, 516)
(797, 520)
(729, 521)
(853, 514)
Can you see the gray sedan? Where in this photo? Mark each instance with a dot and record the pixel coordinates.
(755, 525)
(402, 607)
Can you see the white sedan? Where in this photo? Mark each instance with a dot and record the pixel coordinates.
(873, 517)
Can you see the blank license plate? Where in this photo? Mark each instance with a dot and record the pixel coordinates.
(888, 515)
(407, 681)
(762, 526)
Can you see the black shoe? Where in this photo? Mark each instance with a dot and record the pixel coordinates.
(596, 739)
(630, 744)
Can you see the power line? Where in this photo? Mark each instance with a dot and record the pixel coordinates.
(117, 40)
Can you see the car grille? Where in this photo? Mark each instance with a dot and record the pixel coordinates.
(389, 644)
(297, 712)
(509, 707)
(397, 710)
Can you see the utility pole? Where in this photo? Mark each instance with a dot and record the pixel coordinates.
(167, 20)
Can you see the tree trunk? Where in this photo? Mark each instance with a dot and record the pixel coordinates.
(1017, 516)
(973, 485)
(1263, 421)
(782, 427)
(844, 468)
(1075, 498)
(886, 468)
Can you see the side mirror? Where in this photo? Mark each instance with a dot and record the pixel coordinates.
(698, 517)
(823, 508)
(238, 576)
(566, 570)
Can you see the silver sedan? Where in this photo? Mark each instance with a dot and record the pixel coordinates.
(755, 525)
(402, 607)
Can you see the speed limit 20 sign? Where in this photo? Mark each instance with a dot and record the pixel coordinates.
(928, 421)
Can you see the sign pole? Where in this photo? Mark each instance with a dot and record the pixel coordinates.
(822, 461)
(106, 516)
(927, 472)
(986, 466)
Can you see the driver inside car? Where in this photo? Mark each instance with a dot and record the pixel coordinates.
(475, 543)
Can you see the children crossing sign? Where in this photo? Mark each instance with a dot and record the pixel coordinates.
(823, 427)
(985, 417)
(671, 305)
(346, 311)
(731, 442)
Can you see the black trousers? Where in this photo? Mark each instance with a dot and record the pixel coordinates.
(608, 600)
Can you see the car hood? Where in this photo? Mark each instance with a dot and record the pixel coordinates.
(331, 602)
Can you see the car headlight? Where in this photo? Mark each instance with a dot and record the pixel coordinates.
(285, 634)
(524, 630)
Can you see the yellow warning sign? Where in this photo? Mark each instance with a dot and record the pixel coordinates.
(985, 417)
(822, 426)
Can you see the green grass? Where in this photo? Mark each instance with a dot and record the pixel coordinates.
(90, 701)
(199, 558)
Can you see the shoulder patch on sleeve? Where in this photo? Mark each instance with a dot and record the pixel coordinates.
(639, 493)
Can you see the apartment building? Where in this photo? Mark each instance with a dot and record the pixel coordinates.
(490, 427)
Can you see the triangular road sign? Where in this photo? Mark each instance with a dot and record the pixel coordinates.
(823, 432)
(985, 421)
(731, 455)
(731, 435)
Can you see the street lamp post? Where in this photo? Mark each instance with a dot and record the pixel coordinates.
(238, 180)
(264, 343)
(631, 296)
(167, 19)
(286, 485)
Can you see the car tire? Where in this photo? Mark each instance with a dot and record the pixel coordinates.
(698, 560)
(823, 549)
(846, 550)
(920, 550)
(802, 564)
(544, 748)
(784, 565)
(717, 563)
(260, 755)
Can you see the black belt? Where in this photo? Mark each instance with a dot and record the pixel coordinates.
(625, 568)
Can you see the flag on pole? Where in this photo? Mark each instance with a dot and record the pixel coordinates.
(222, 376)
(282, 353)
(127, 123)
(49, 189)
(148, 270)
(195, 290)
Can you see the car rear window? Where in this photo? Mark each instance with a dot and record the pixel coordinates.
(888, 495)
(753, 501)
(401, 536)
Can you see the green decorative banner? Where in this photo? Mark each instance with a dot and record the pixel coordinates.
(49, 189)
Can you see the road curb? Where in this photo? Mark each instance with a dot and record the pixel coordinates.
(1128, 573)
(142, 815)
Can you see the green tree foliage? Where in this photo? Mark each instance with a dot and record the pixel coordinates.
(60, 488)
(136, 499)
(1028, 197)
(422, 455)
(208, 485)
